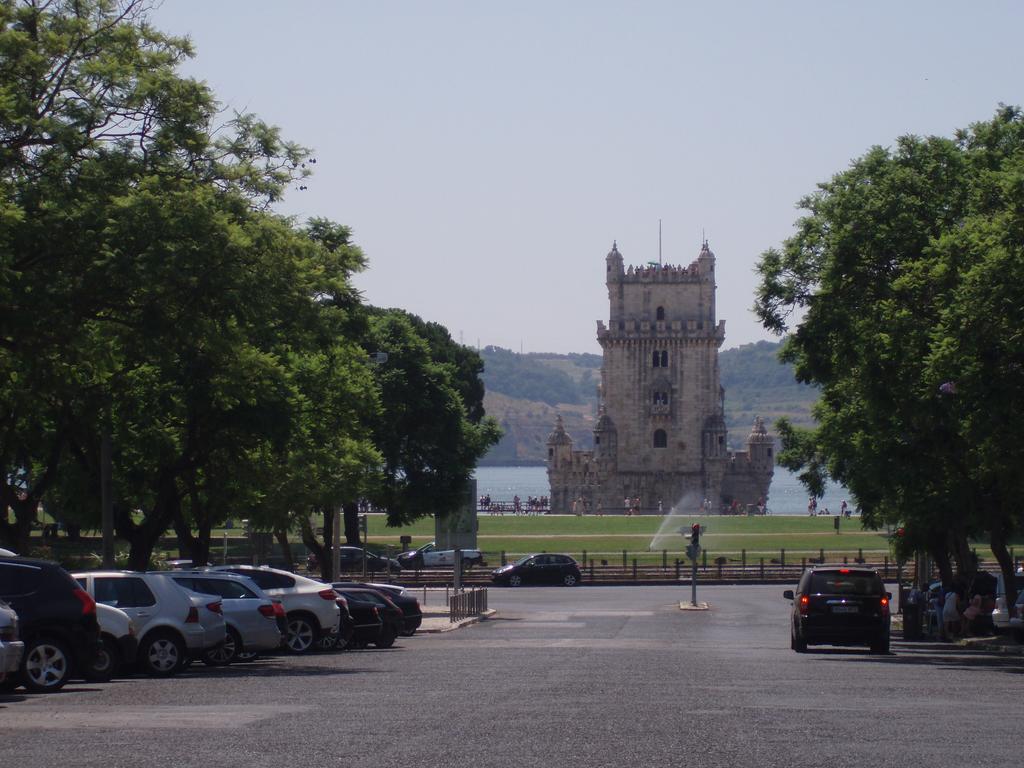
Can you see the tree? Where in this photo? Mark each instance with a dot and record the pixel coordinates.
(900, 318)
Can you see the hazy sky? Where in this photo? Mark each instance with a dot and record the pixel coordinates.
(487, 154)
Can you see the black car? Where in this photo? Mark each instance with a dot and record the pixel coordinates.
(58, 622)
(350, 560)
(840, 605)
(390, 614)
(366, 624)
(410, 606)
(539, 569)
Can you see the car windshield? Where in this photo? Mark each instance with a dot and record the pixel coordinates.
(524, 560)
(850, 583)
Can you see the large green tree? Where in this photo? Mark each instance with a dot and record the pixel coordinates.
(900, 289)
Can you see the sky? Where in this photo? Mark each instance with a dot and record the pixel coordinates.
(486, 155)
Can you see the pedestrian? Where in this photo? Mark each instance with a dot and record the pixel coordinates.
(952, 619)
(627, 506)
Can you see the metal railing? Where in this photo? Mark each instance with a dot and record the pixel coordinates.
(471, 602)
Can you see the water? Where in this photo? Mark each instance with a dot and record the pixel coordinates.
(785, 497)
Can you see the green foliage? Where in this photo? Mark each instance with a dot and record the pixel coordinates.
(905, 277)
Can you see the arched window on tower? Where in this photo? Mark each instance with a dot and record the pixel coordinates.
(664, 359)
(656, 359)
(660, 313)
(660, 438)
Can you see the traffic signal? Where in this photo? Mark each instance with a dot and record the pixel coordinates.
(695, 535)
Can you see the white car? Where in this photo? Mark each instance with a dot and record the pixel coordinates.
(11, 648)
(1000, 616)
(173, 626)
(311, 606)
(429, 556)
(1016, 624)
(119, 643)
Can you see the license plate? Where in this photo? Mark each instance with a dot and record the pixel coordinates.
(845, 609)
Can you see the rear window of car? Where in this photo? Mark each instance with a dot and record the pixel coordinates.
(852, 583)
(123, 592)
(268, 579)
(19, 579)
(227, 588)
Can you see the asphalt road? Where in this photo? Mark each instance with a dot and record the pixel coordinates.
(591, 676)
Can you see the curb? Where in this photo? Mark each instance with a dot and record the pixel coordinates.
(445, 626)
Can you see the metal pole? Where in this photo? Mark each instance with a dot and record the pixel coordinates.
(106, 497)
(693, 582)
(336, 544)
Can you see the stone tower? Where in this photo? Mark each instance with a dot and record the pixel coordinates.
(660, 436)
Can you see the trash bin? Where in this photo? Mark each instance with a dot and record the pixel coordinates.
(912, 621)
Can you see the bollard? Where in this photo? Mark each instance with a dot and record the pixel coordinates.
(664, 559)
(762, 567)
(584, 558)
(803, 564)
(845, 560)
(704, 556)
(718, 562)
(503, 560)
(634, 569)
(591, 570)
(860, 554)
(782, 558)
(677, 569)
(623, 559)
(743, 559)
(886, 566)
(821, 556)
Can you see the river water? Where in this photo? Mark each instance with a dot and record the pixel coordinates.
(785, 497)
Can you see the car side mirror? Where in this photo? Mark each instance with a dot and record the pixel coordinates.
(788, 594)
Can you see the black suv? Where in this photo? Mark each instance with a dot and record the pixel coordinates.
(539, 569)
(58, 622)
(840, 605)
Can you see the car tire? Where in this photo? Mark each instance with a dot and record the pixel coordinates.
(408, 632)
(225, 653)
(106, 662)
(515, 580)
(386, 639)
(46, 666)
(796, 642)
(570, 580)
(302, 634)
(881, 645)
(161, 654)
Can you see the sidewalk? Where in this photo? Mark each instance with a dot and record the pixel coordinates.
(437, 621)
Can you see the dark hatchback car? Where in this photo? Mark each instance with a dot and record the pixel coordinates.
(350, 560)
(539, 569)
(409, 604)
(839, 605)
(58, 622)
(393, 621)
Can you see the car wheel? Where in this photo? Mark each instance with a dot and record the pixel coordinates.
(569, 580)
(301, 634)
(226, 652)
(328, 643)
(796, 642)
(881, 645)
(515, 580)
(162, 654)
(386, 638)
(408, 632)
(105, 663)
(46, 666)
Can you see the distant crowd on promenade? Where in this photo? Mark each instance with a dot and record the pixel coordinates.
(534, 505)
(540, 505)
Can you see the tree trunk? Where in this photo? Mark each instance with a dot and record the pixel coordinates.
(281, 534)
(350, 511)
(143, 537)
(309, 539)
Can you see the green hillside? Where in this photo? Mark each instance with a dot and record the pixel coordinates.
(526, 391)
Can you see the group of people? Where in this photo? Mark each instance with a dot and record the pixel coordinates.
(954, 611)
(535, 505)
(812, 509)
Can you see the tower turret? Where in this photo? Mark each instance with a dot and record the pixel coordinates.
(559, 446)
(760, 447)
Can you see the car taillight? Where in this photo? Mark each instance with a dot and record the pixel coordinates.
(805, 604)
(267, 610)
(88, 604)
(328, 594)
(193, 616)
(278, 608)
(885, 606)
(216, 607)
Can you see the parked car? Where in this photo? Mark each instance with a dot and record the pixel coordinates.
(173, 627)
(1000, 616)
(57, 621)
(255, 622)
(539, 569)
(11, 647)
(118, 644)
(342, 639)
(1016, 624)
(309, 605)
(839, 605)
(408, 603)
(429, 556)
(392, 619)
(350, 560)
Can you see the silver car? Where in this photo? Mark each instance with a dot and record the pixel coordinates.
(11, 648)
(172, 625)
(254, 620)
(310, 605)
